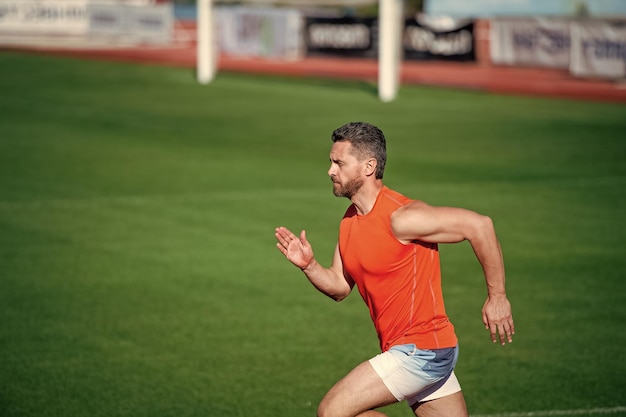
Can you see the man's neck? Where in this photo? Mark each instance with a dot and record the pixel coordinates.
(365, 198)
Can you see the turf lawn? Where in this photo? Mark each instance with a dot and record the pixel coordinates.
(139, 277)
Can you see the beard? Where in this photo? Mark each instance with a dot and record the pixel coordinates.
(349, 189)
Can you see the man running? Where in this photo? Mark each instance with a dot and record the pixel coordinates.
(388, 247)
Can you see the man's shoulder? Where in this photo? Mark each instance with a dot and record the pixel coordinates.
(394, 198)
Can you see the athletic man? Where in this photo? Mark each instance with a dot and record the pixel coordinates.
(388, 248)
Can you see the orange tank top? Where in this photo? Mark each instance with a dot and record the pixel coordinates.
(401, 284)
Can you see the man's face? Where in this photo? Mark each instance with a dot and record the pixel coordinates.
(345, 170)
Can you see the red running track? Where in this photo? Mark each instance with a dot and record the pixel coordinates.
(475, 76)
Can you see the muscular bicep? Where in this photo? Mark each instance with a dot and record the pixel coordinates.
(420, 221)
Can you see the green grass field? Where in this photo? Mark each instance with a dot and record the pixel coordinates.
(139, 276)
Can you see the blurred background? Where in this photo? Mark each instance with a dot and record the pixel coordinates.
(565, 48)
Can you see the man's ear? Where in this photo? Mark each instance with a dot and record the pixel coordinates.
(370, 166)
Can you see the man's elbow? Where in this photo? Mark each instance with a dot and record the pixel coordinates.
(486, 223)
(482, 227)
(338, 295)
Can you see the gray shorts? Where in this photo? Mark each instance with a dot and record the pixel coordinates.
(417, 375)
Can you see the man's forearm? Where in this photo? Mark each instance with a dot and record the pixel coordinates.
(327, 281)
(488, 252)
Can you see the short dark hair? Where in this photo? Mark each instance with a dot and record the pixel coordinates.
(367, 141)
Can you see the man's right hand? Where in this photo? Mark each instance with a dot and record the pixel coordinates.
(296, 249)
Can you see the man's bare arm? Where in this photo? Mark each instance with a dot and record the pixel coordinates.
(332, 281)
(420, 221)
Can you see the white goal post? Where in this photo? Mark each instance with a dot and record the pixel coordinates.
(206, 46)
(389, 48)
(389, 54)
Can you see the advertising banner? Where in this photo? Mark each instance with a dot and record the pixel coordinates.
(134, 20)
(530, 42)
(598, 50)
(422, 42)
(261, 32)
(49, 17)
(346, 36)
(149, 24)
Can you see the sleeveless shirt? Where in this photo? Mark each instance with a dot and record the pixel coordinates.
(400, 283)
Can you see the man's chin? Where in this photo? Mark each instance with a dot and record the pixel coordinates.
(337, 192)
(347, 191)
(340, 193)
